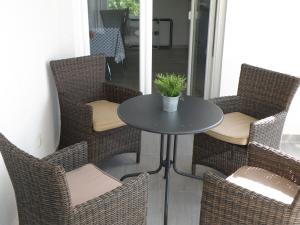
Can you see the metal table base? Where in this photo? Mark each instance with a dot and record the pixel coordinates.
(167, 163)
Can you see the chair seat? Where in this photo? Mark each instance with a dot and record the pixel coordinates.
(105, 115)
(88, 182)
(234, 129)
(265, 183)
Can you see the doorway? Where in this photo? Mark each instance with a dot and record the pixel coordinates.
(170, 37)
(179, 36)
(194, 24)
(206, 47)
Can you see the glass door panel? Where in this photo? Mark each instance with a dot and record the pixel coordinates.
(114, 33)
(198, 46)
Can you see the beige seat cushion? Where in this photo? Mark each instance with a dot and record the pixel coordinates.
(88, 182)
(105, 115)
(265, 183)
(234, 128)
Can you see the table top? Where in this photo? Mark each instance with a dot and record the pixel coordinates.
(194, 115)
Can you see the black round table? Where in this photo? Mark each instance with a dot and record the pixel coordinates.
(194, 115)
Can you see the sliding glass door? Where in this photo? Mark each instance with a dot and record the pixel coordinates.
(115, 33)
(203, 17)
(157, 29)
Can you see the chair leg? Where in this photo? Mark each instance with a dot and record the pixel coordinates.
(108, 70)
(138, 157)
(194, 169)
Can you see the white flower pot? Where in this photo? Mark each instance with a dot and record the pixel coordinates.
(170, 103)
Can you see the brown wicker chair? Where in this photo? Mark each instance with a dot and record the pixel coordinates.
(262, 94)
(80, 81)
(44, 196)
(224, 202)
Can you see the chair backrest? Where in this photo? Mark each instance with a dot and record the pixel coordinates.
(265, 91)
(40, 187)
(114, 17)
(79, 79)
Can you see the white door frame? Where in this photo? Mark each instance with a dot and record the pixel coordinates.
(81, 28)
(192, 17)
(214, 64)
(146, 16)
(215, 40)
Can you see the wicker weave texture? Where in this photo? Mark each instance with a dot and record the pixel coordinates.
(79, 81)
(263, 94)
(224, 203)
(267, 91)
(43, 196)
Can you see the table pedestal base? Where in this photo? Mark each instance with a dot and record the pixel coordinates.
(167, 164)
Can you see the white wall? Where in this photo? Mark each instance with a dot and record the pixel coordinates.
(177, 10)
(32, 33)
(265, 34)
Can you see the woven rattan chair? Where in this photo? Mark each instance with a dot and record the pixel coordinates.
(262, 103)
(81, 81)
(230, 202)
(47, 192)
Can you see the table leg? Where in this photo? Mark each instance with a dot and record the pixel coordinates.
(167, 174)
(175, 165)
(161, 161)
(167, 163)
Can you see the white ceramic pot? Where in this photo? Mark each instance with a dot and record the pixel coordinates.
(170, 103)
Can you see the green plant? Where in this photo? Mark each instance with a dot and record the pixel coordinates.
(133, 5)
(170, 84)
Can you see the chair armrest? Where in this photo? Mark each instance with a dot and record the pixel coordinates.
(268, 131)
(71, 157)
(118, 94)
(226, 203)
(228, 104)
(77, 115)
(274, 161)
(126, 204)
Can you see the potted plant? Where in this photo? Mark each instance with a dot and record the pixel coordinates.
(170, 85)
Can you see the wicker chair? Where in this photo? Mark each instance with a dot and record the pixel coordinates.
(45, 196)
(227, 202)
(263, 98)
(80, 81)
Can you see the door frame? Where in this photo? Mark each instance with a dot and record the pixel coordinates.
(215, 40)
(146, 16)
(81, 28)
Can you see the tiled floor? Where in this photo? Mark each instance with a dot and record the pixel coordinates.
(185, 192)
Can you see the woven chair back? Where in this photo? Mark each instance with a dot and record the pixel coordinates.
(40, 187)
(265, 92)
(79, 79)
